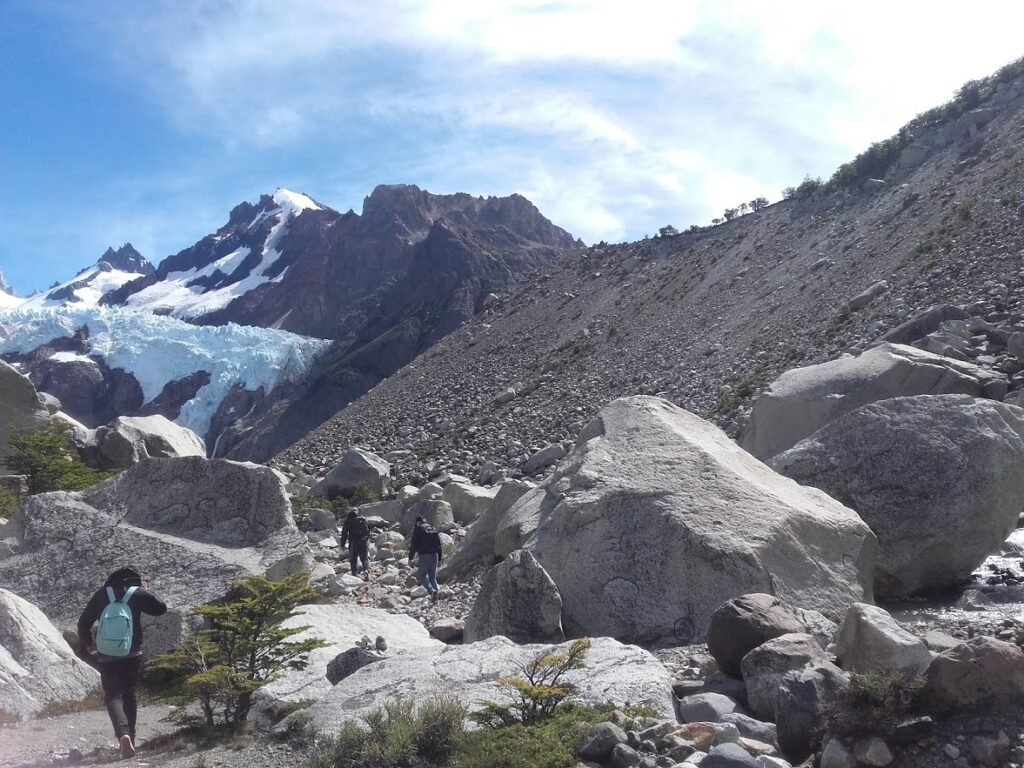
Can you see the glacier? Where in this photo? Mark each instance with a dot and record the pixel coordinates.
(158, 349)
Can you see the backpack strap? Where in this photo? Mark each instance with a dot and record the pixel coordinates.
(125, 598)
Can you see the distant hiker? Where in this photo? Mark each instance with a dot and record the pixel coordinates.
(118, 607)
(356, 531)
(426, 542)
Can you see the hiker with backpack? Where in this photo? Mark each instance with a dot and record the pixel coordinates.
(426, 542)
(356, 531)
(117, 609)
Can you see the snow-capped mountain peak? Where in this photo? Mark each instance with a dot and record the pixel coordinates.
(8, 298)
(127, 259)
(240, 260)
(295, 202)
(113, 270)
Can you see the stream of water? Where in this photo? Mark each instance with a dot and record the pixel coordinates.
(980, 606)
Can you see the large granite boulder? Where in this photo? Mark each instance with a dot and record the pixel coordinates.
(802, 400)
(341, 626)
(980, 674)
(36, 666)
(656, 518)
(614, 673)
(477, 549)
(189, 525)
(468, 501)
(871, 641)
(739, 625)
(519, 523)
(940, 480)
(21, 407)
(519, 600)
(436, 512)
(357, 468)
(127, 440)
(924, 323)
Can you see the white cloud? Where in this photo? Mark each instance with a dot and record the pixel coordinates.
(614, 117)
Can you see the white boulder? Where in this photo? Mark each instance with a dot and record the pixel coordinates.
(36, 666)
(342, 626)
(802, 400)
(357, 468)
(191, 526)
(656, 518)
(940, 480)
(614, 673)
(21, 407)
(871, 641)
(468, 501)
(127, 440)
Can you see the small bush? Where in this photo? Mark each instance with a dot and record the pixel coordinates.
(550, 743)
(538, 691)
(399, 735)
(50, 462)
(364, 494)
(243, 648)
(8, 503)
(875, 703)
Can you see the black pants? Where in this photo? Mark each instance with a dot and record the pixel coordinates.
(119, 678)
(359, 549)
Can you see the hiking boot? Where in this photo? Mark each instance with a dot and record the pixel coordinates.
(433, 596)
(127, 748)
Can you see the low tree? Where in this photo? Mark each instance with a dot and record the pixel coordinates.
(538, 690)
(744, 209)
(668, 231)
(758, 203)
(243, 647)
(49, 461)
(731, 213)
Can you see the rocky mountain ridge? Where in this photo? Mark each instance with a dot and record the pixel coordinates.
(382, 286)
(709, 317)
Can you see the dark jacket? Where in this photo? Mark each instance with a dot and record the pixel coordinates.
(423, 543)
(143, 601)
(346, 528)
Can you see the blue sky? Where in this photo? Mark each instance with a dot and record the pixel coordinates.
(147, 122)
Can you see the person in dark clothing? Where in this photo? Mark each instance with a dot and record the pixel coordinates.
(120, 675)
(426, 542)
(356, 531)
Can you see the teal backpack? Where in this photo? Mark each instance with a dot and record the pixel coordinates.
(114, 634)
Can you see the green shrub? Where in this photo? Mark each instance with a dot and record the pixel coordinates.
(874, 703)
(538, 690)
(47, 458)
(549, 743)
(8, 503)
(398, 735)
(243, 648)
(364, 494)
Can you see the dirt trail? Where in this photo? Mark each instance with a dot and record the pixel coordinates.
(51, 741)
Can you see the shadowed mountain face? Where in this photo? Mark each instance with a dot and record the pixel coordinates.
(383, 286)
